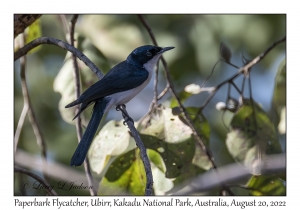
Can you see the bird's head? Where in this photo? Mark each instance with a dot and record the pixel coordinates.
(146, 55)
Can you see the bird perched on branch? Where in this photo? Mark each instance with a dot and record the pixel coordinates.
(122, 83)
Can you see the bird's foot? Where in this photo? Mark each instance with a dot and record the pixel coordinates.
(120, 107)
(127, 118)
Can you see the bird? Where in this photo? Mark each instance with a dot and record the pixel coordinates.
(122, 83)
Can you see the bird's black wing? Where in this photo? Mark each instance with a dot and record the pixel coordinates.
(114, 82)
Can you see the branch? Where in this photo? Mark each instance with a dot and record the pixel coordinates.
(20, 124)
(146, 25)
(77, 94)
(47, 40)
(244, 70)
(21, 22)
(55, 170)
(47, 187)
(229, 173)
(35, 125)
(155, 97)
(141, 146)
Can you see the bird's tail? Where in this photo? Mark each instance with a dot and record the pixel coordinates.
(84, 144)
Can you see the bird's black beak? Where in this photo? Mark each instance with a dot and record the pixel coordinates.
(166, 49)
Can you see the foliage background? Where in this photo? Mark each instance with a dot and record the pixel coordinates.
(196, 38)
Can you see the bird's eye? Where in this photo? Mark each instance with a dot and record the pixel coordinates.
(148, 53)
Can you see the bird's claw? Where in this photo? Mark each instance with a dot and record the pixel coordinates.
(121, 108)
(118, 107)
(127, 120)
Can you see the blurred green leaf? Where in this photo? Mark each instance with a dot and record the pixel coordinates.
(266, 185)
(251, 136)
(279, 98)
(33, 32)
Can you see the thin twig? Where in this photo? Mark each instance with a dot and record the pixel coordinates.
(163, 92)
(20, 124)
(47, 187)
(231, 64)
(146, 25)
(211, 73)
(141, 146)
(236, 88)
(152, 105)
(35, 125)
(76, 76)
(66, 25)
(155, 94)
(155, 98)
(48, 40)
(77, 94)
(243, 70)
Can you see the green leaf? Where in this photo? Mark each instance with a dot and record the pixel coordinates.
(266, 185)
(279, 98)
(251, 136)
(172, 139)
(112, 141)
(132, 180)
(176, 156)
(156, 159)
(191, 172)
(201, 125)
(161, 184)
(120, 165)
(118, 173)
